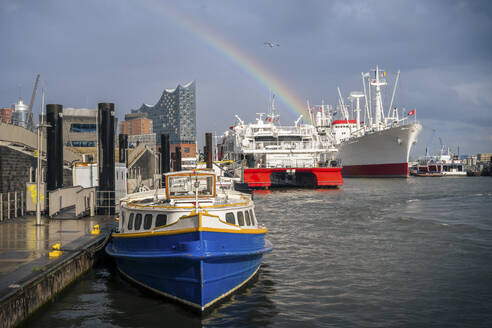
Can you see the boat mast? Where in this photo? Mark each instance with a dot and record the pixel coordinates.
(357, 96)
(379, 101)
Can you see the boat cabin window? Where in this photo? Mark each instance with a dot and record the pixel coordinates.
(248, 221)
(252, 215)
(161, 220)
(185, 186)
(130, 222)
(147, 221)
(122, 219)
(240, 218)
(230, 218)
(138, 221)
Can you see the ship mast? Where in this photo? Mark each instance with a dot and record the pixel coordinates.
(357, 96)
(377, 82)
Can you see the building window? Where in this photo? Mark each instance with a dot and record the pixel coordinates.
(186, 149)
(83, 127)
(81, 143)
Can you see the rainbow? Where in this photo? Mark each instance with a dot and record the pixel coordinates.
(235, 55)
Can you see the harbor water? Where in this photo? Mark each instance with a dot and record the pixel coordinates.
(376, 253)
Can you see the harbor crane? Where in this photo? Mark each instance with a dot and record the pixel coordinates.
(29, 122)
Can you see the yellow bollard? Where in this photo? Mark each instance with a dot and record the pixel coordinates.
(96, 230)
(56, 252)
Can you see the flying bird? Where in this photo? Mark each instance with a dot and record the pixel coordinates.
(271, 44)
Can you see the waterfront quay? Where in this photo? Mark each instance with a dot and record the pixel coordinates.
(32, 272)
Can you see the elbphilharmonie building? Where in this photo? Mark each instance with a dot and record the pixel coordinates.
(175, 114)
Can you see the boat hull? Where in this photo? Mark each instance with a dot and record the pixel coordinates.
(299, 177)
(382, 154)
(196, 268)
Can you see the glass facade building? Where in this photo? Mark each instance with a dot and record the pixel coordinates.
(174, 114)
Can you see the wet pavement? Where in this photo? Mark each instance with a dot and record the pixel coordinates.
(24, 247)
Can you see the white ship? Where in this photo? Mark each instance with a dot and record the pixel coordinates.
(445, 164)
(272, 154)
(377, 146)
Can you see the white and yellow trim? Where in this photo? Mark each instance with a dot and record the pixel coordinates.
(234, 228)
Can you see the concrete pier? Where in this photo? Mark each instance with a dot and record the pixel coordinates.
(28, 276)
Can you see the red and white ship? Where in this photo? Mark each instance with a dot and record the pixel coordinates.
(377, 146)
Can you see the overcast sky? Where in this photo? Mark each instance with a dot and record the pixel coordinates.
(127, 52)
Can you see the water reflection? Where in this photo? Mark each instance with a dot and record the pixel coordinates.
(252, 306)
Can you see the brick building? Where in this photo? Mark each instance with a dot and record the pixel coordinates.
(6, 115)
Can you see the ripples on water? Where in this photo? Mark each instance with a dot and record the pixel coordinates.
(378, 252)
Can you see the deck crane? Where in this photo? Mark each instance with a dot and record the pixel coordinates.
(29, 110)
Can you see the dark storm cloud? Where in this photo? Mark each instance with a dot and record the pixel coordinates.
(128, 51)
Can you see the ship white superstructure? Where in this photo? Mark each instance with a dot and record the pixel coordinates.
(265, 147)
(370, 142)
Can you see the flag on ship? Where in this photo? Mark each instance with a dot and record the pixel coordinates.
(412, 112)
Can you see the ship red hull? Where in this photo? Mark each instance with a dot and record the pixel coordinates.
(394, 170)
(320, 177)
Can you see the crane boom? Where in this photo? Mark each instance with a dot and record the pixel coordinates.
(29, 111)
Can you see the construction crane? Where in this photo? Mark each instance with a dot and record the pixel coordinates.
(29, 110)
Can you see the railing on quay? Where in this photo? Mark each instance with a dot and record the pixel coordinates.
(12, 205)
(79, 198)
(106, 202)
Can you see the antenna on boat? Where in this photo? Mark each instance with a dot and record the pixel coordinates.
(309, 110)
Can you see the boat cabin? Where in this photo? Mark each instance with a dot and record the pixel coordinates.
(190, 184)
(185, 191)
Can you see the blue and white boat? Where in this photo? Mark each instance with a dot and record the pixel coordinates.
(189, 241)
